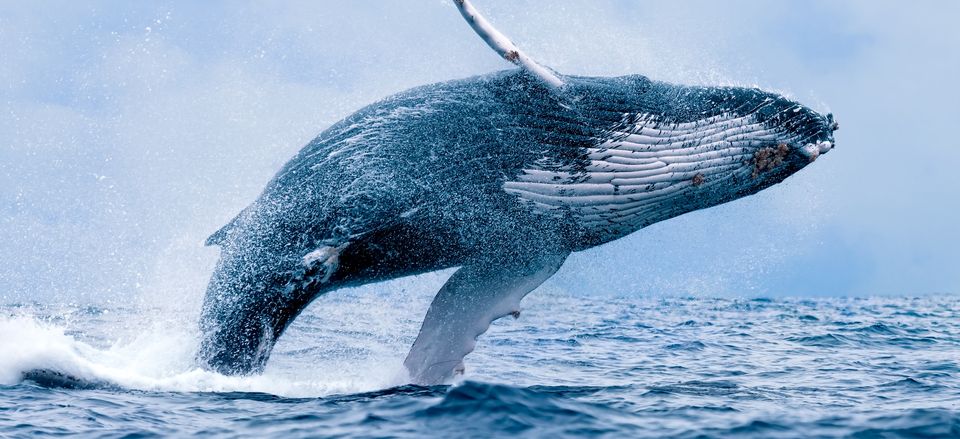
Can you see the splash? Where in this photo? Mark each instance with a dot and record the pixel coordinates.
(97, 348)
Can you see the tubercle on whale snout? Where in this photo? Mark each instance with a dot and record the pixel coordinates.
(773, 157)
(769, 158)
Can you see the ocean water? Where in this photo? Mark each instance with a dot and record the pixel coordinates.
(569, 366)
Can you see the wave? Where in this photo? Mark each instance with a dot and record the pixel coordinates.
(481, 408)
(858, 367)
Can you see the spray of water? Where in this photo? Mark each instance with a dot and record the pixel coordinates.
(352, 341)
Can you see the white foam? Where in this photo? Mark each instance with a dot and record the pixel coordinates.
(161, 359)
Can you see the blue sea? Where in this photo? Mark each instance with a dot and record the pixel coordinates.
(570, 366)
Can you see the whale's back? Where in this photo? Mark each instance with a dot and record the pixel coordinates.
(442, 145)
(595, 162)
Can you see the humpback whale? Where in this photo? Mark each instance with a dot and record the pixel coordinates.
(502, 175)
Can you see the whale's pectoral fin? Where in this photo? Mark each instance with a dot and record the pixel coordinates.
(474, 297)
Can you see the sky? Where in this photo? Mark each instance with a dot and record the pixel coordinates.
(130, 131)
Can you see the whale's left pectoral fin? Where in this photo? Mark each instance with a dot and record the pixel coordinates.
(474, 297)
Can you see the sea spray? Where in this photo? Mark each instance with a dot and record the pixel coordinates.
(351, 341)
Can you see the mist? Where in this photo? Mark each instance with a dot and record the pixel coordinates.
(131, 131)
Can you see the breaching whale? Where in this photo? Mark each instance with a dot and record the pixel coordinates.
(502, 175)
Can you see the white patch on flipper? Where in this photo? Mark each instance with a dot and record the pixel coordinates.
(633, 176)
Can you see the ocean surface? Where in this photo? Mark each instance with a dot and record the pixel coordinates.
(570, 366)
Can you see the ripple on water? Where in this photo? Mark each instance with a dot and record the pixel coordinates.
(618, 367)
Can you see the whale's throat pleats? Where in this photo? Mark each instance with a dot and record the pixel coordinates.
(645, 170)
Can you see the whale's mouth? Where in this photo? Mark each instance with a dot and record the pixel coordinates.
(772, 158)
(774, 163)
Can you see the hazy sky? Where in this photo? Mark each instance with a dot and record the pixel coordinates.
(129, 131)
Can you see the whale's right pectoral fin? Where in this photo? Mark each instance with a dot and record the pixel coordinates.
(474, 297)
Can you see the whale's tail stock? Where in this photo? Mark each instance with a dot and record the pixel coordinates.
(251, 299)
(240, 320)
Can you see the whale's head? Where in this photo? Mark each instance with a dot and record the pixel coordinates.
(782, 137)
(746, 140)
(644, 151)
(724, 142)
(659, 150)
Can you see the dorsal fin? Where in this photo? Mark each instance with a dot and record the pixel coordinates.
(220, 236)
(504, 47)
